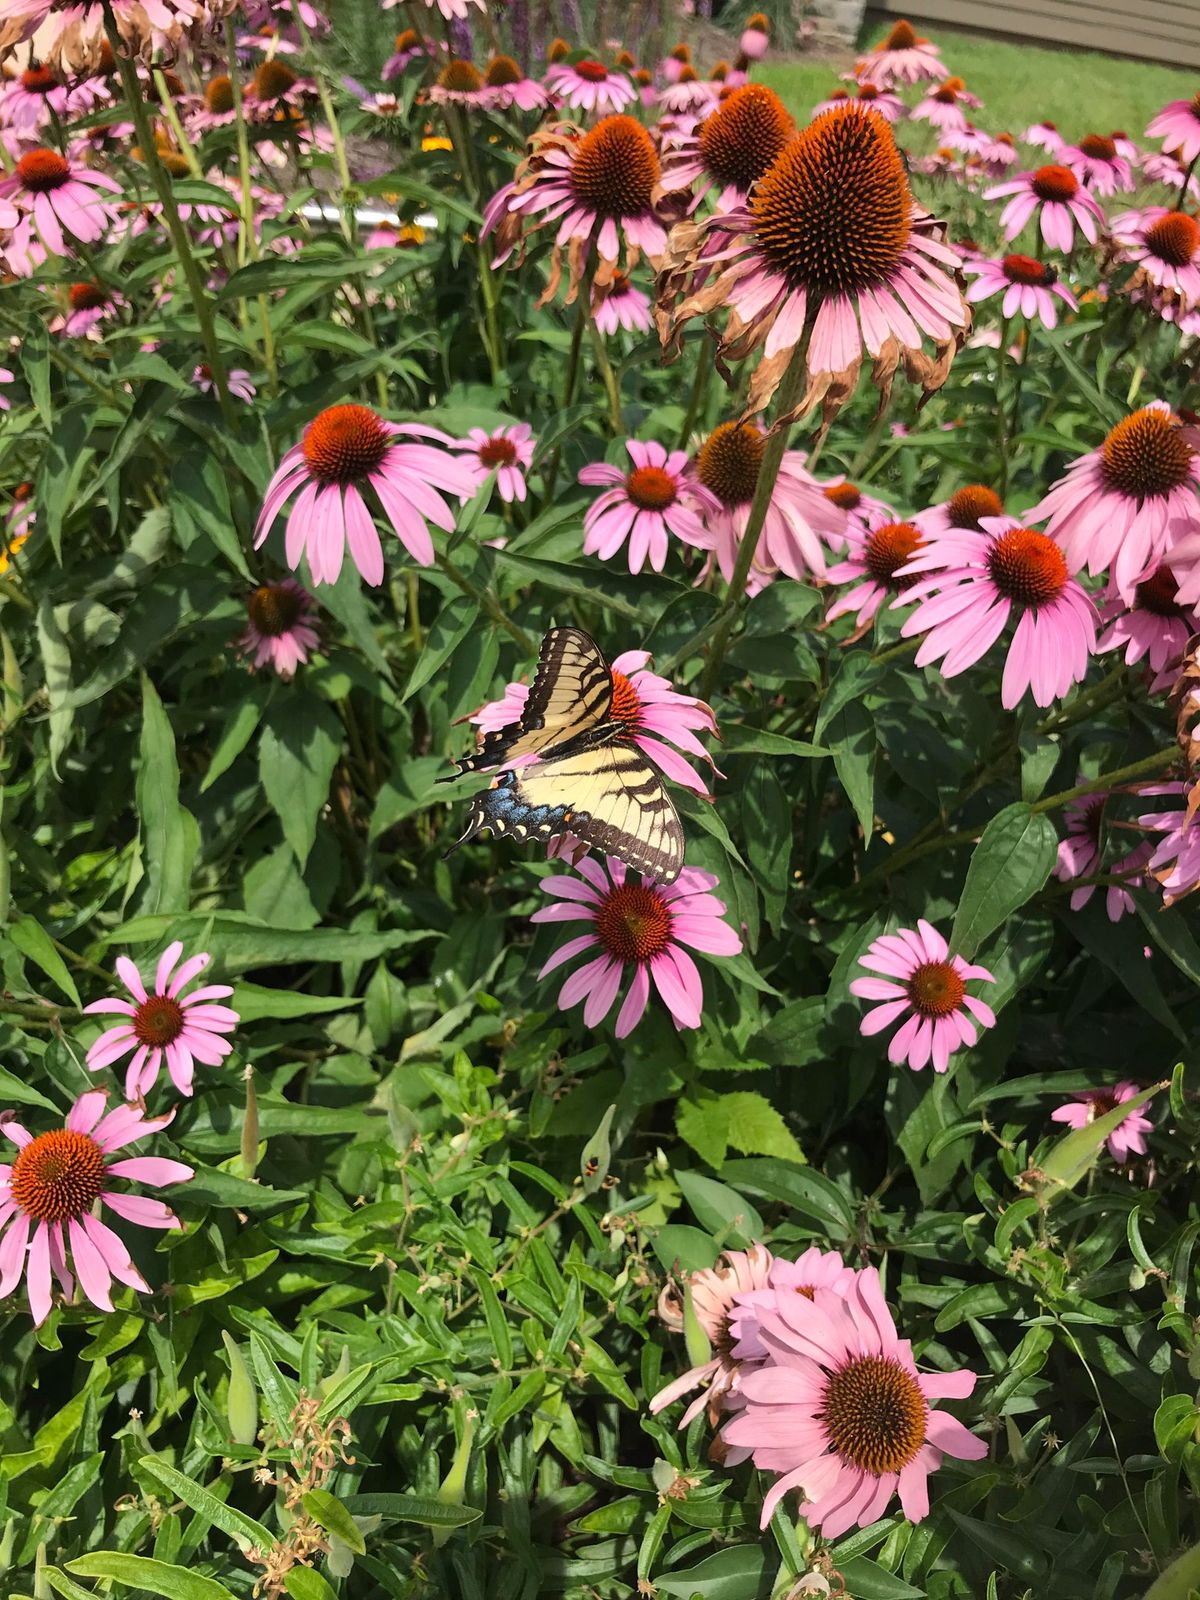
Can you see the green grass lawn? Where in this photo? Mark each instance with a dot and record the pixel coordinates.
(1081, 91)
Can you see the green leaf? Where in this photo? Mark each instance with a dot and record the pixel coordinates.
(33, 941)
(738, 740)
(63, 462)
(245, 1530)
(850, 735)
(35, 363)
(170, 837)
(739, 1573)
(305, 1583)
(421, 1509)
(450, 627)
(756, 1128)
(1074, 1155)
(299, 748)
(721, 1209)
(155, 1577)
(808, 1191)
(328, 1510)
(241, 943)
(252, 1002)
(1009, 865)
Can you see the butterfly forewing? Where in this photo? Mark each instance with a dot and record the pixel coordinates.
(571, 695)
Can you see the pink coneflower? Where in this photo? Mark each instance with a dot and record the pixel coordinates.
(409, 47)
(799, 516)
(756, 37)
(279, 627)
(830, 236)
(1167, 170)
(507, 86)
(19, 518)
(1178, 126)
(88, 304)
(854, 501)
(716, 1295)
(965, 508)
(926, 986)
(1044, 135)
(621, 305)
(459, 83)
(815, 1269)
(599, 187)
(640, 924)
(730, 150)
(1128, 1137)
(50, 1193)
(1055, 195)
(590, 86)
(943, 106)
(1081, 852)
(506, 451)
(1096, 161)
(903, 57)
(648, 709)
(1152, 626)
(659, 495)
(690, 95)
(451, 9)
(1028, 286)
(979, 580)
(1166, 246)
(53, 195)
(164, 1024)
(237, 380)
(866, 97)
(671, 66)
(1127, 504)
(842, 1414)
(997, 155)
(36, 96)
(344, 449)
(1175, 862)
(879, 545)
(274, 86)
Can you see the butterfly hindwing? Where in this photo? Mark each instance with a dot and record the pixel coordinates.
(610, 796)
(571, 695)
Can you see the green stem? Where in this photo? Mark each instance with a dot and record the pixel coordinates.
(488, 603)
(609, 377)
(789, 393)
(247, 237)
(1110, 780)
(698, 395)
(162, 184)
(568, 398)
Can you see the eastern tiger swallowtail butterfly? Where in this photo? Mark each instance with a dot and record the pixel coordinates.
(590, 779)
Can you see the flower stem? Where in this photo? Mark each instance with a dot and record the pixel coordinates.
(609, 377)
(487, 603)
(568, 398)
(162, 184)
(1110, 780)
(698, 395)
(789, 393)
(247, 237)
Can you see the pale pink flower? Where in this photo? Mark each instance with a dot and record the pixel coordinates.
(410, 47)
(622, 305)
(1096, 161)
(1081, 852)
(756, 37)
(1057, 198)
(1167, 170)
(690, 94)
(507, 86)
(1152, 625)
(279, 627)
(590, 86)
(649, 711)
(659, 495)
(1166, 246)
(841, 1413)
(55, 197)
(50, 1192)
(815, 1269)
(459, 83)
(1130, 503)
(237, 379)
(38, 96)
(671, 67)
(979, 580)
(1178, 126)
(638, 924)
(346, 448)
(1128, 1137)
(508, 452)
(903, 57)
(925, 985)
(1175, 863)
(799, 518)
(867, 97)
(879, 545)
(943, 106)
(7, 375)
(717, 1292)
(88, 304)
(1028, 286)
(163, 1024)
(451, 9)
(1044, 135)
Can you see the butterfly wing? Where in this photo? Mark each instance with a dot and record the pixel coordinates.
(610, 796)
(571, 694)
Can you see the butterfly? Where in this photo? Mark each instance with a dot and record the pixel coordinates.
(589, 778)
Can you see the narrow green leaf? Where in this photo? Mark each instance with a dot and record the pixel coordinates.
(332, 1515)
(229, 1519)
(155, 1577)
(33, 941)
(170, 838)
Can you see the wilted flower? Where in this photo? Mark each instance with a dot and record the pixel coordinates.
(279, 627)
(979, 580)
(639, 924)
(346, 448)
(716, 1294)
(1128, 1137)
(621, 305)
(832, 248)
(1175, 863)
(925, 985)
(164, 1024)
(50, 1192)
(659, 495)
(841, 1413)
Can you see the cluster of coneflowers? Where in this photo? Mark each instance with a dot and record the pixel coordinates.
(53, 1192)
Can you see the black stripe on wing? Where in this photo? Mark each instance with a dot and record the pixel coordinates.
(571, 694)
